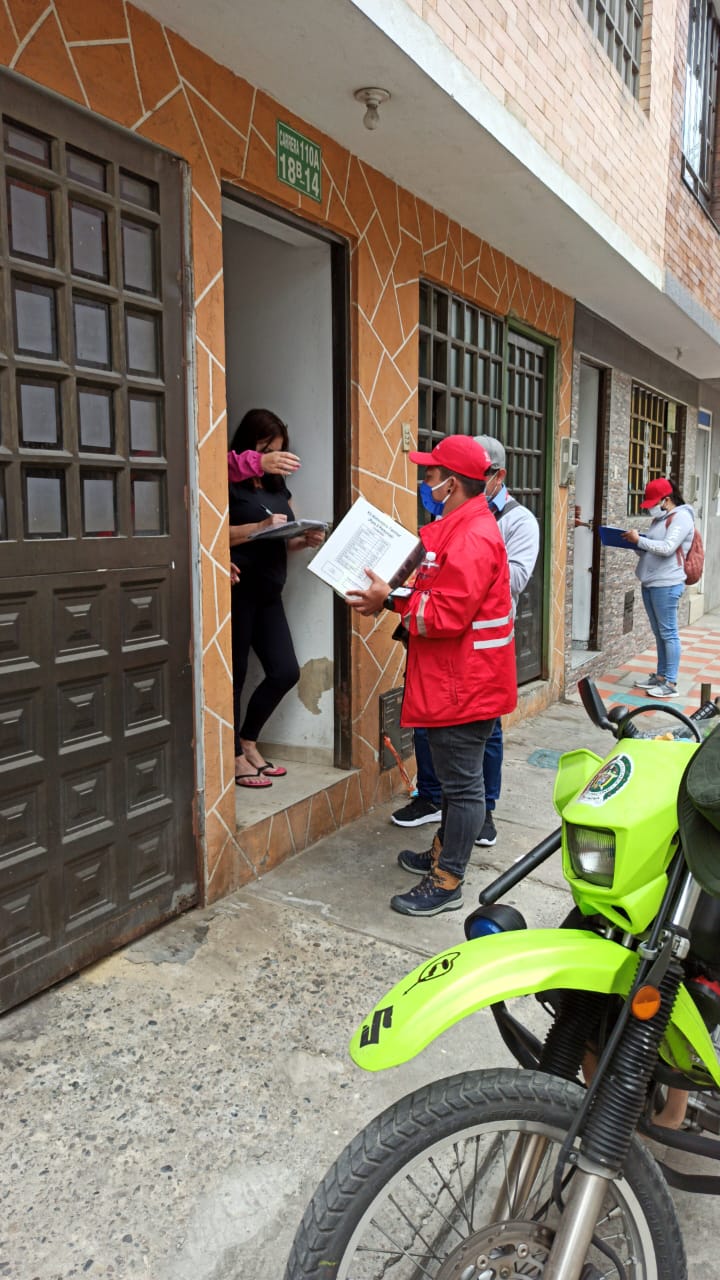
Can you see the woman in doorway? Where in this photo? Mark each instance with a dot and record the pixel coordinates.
(258, 616)
(661, 570)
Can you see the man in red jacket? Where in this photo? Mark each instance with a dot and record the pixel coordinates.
(461, 659)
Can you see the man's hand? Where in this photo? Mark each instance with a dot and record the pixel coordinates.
(234, 574)
(372, 599)
(279, 463)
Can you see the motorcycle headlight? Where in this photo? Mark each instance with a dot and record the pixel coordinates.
(592, 854)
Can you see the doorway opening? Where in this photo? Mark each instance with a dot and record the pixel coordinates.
(286, 290)
(588, 507)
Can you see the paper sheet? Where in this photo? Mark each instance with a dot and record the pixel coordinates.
(365, 538)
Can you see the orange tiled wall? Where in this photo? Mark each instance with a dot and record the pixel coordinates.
(119, 62)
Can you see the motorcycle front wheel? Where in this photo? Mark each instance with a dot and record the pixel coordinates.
(454, 1182)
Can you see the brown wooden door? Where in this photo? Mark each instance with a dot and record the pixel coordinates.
(526, 445)
(96, 725)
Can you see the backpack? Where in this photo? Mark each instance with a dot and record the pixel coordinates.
(694, 560)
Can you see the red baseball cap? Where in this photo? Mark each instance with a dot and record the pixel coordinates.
(461, 454)
(655, 491)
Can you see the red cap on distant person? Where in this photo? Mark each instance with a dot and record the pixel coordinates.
(461, 454)
(655, 491)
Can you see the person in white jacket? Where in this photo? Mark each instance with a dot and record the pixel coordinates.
(661, 570)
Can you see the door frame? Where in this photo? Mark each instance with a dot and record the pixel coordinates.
(342, 489)
(552, 390)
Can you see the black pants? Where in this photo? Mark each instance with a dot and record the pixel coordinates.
(259, 623)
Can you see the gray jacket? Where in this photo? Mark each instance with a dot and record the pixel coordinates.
(658, 562)
(521, 535)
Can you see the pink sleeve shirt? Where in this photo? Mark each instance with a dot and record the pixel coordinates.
(243, 466)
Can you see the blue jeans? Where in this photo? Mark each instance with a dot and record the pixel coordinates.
(427, 783)
(661, 606)
(457, 754)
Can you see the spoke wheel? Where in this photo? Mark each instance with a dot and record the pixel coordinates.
(454, 1182)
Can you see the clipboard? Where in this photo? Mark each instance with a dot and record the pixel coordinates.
(610, 536)
(290, 529)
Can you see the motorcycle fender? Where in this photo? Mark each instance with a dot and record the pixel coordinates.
(475, 974)
(687, 1045)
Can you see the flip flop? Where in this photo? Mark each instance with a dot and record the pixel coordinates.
(271, 771)
(253, 780)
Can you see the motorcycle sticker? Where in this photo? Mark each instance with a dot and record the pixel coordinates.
(382, 1018)
(438, 967)
(608, 781)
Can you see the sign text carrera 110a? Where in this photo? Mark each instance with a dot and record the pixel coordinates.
(299, 161)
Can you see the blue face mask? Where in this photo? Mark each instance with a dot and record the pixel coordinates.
(432, 505)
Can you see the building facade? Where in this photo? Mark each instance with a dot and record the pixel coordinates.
(195, 221)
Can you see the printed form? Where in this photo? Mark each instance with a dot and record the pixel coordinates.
(365, 538)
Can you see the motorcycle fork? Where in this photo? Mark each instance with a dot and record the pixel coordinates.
(613, 1114)
(522, 1170)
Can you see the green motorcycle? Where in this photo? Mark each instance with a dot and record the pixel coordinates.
(544, 1172)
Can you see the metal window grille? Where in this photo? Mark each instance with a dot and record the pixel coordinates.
(618, 26)
(460, 374)
(650, 443)
(701, 89)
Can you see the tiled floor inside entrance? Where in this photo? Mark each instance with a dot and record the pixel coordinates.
(699, 664)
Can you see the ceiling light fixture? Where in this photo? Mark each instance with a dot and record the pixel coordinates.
(372, 99)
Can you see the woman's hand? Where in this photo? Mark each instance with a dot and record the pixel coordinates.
(241, 532)
(372, 599)
(314, 537)
(272, 522)
(631, 535)
(279, 463)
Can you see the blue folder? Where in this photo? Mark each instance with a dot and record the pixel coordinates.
(612, 537)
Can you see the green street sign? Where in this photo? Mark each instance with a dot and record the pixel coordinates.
(299, 162)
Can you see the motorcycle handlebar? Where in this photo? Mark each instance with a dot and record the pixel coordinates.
(529, 861)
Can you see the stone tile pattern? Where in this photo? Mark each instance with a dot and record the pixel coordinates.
(692, 244)
(544, 63)
(119, 62)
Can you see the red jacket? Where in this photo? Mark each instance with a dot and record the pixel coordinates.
(461, 652)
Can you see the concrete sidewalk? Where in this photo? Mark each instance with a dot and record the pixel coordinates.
(168, 1112)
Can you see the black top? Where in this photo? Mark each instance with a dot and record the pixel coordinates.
(263, 560)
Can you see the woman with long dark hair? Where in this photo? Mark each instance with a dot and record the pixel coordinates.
(661, 570)
(258, 616)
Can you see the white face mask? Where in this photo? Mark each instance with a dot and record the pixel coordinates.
(656, 511)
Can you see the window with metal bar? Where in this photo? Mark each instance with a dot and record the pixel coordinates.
(618, 26)
(655, 440)
(701, 90)
(460, 374)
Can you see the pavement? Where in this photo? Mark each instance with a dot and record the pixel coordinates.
(168, 1112)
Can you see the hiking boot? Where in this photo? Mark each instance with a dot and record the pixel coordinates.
(416, 813)
(664, 690)
(420, 864)
(436, 892)
(488, 835)
(647, 682)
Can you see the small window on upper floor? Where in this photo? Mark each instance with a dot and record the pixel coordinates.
(701, 90)
(618, 26)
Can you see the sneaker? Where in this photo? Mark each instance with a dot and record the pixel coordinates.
(488, 835)
(436, 892)
(416, 813)
(420, 864)
(647, 682)
(664, 690)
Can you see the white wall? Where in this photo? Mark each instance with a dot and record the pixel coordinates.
(278, 322)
